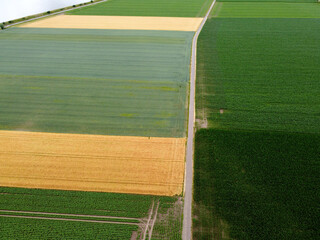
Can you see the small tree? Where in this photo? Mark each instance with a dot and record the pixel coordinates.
(1, 26)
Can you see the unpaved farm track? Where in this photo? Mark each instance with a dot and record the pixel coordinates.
(68, 215)
(68, 219)
(188, 183)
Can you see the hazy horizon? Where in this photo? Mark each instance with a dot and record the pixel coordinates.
(13, 9)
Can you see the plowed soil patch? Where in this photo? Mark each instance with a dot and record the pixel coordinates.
(92, 163)
(117, 22)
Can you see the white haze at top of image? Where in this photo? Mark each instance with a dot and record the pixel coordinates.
(13, 9)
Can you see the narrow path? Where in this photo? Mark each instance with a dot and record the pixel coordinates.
(154, 220)
(147, 225)
(68, 219)
(188, 183)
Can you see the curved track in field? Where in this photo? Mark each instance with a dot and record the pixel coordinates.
(188, 187)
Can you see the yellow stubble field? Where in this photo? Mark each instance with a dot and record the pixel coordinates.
(117, 22)
(120, 164)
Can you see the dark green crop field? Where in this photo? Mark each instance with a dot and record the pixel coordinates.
(263, 73)
(94, 82)
(264, 185)
(165, 8)
(257, 167)
(250, 9)
(34, 213)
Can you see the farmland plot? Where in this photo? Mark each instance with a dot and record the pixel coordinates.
(256, 185)
(265, 9)
(169, 8)
(32, 213)
(257, 164)
(261, 73)
(117, 22)
(92, 163)
(107, 82)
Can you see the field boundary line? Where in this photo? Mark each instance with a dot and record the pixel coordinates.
(69, 219)
(188, 181)
(70, 215)
(55, 13)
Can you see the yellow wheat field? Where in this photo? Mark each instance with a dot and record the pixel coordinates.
(92, 163)
(117, 22)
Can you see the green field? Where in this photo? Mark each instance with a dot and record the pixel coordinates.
(95, 81)
(75, 202)
(279, 1)
(165, 8)
(264, 185)
(266, 10)
(257, 166)
(102, 207)
(264, 74)
(18, 228)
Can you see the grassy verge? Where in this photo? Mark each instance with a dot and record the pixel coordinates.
(263, 184)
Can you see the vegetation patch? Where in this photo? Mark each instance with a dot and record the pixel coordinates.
(259, 74)
(80, 81)
(76, 205)
(257, 163)
(266, 9)
(168, 8)
(263, 184)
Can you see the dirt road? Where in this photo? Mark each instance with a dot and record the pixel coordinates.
(188, 182)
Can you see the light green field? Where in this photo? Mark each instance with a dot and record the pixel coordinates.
(165, 8)
(266, 10)
(94, 81)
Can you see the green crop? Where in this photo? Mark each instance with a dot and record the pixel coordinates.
(256, 168)
(165, 8)
(35, 202)
(266, 10)
(95, 81)
(278, 1)
(75, 202)
(18, 228)
(264, 185)
(263, 74)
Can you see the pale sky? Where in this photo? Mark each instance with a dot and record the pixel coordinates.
(13, 9)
